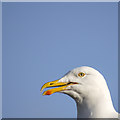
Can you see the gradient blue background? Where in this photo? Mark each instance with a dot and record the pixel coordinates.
(43, 41)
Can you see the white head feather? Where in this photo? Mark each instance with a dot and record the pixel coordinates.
(92, 95)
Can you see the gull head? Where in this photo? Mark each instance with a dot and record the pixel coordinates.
(80, 83)
(88, 88)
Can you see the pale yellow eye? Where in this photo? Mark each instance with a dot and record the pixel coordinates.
(81, 74)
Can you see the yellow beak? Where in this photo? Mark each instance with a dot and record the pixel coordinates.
(61, 86)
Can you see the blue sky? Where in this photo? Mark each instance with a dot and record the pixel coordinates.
(43, 41)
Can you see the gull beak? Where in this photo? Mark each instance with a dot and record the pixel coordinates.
(60, 87)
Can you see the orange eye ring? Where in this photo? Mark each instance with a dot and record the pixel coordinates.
(81, 74)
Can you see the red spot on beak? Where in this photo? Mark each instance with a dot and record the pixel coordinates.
(48, 93)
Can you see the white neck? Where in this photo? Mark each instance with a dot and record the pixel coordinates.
(99, 108)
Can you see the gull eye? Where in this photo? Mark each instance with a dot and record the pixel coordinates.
(81, 74)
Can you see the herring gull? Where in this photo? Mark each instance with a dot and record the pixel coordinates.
(88, 88)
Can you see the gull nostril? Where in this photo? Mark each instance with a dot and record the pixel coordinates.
(51, 83)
